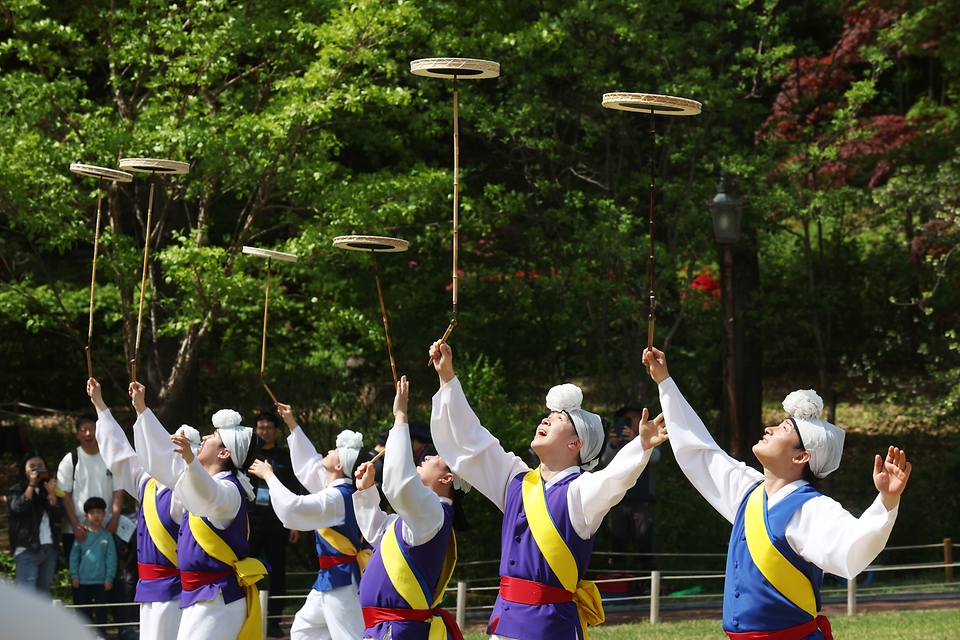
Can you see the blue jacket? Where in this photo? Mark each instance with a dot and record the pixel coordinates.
(94, 560)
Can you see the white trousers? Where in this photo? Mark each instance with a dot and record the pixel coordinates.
(329, 615)
(212, 620)
(159, 620)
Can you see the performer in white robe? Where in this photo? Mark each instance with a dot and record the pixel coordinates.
(219, 601)
(426, 499)
(332, 609)
(567, 441)
(810, 533)
(159, 618)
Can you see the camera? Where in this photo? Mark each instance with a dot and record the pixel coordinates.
(44, 474)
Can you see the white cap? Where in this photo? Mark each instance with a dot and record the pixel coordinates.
(349, 444)
(822, 440)
(589, 426)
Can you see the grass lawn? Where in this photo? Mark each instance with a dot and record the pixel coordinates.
(892, 625)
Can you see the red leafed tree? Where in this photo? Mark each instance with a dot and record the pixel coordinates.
(829, 139)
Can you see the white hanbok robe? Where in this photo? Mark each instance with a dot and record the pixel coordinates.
(158, 620)
(821, 531)
(203, 495)
(476, 455)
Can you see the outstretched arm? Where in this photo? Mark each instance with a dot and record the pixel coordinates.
(417, 505)
(115, 449)
(154, 448)
(303, 455)
(464, 444)
(301, 513)
(720, 479)
(592, 495)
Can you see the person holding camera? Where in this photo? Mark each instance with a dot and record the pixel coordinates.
(32, 507)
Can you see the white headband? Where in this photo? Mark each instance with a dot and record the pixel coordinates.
(349, 444)
(237, 439)
(589, 427)
(822, 440)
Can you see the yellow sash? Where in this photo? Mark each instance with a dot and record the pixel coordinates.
(556, 552)
(158, 533)
(778, 571)
(249, 572)
(405, 581)
(343, 545)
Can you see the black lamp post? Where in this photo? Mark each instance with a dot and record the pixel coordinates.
(725, 211)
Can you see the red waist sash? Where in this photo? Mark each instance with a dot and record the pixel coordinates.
(529, 592)
(372, 616)
(793, 633)
(156, 571)
(332, 561)
(192, 580)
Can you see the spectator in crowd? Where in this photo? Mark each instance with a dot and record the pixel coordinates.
(632, 518)
(93, 562)
(32, 508)
(268, 537)
(421, 441)
(82, 475)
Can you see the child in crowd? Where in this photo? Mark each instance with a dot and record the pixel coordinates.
(93, 562)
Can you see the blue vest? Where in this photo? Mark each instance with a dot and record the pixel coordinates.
(341, 574)
(750, 603)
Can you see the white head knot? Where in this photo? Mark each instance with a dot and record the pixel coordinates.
(564, 397)
(349, 440)
(226, 418)
(804, 404)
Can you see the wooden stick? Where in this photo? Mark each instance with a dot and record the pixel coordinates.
(143, 281)
(378, 456)
(264, 383)
(93, 280)
(456, 211)
(266, 307)
(383, 312)
(653, 299)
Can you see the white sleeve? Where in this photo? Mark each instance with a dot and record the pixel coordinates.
(417, 505)
(65, 473)
(119, 456)
(156, 450)
(305, 513)
(306, 461)
(203, 495)
(591, 495)
(371, 519)
(720, 479)
(827, 535)
(469, 449)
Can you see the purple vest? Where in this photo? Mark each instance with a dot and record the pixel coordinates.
(521, 558)
(161, 589)
(193, 558)
(426, 560)
(342, 574)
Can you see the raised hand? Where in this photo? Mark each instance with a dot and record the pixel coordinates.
(890, 476)
(400, 400)
(137, 396)
(442, 357)
(96, 394)
(656, 363)
(652, 432)
(181, 444)
(286, 413)
(262, 469)
(366, 475)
